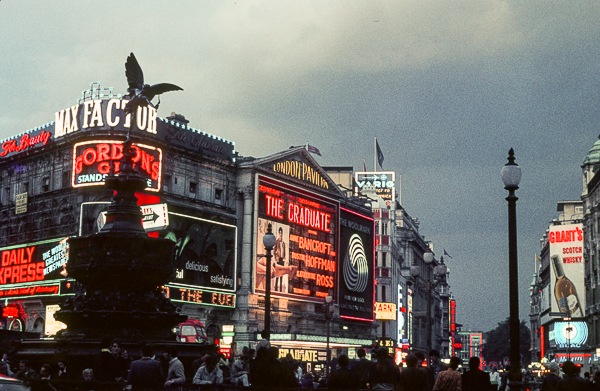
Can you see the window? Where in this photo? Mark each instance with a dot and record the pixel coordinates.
(46, 184)
(377, 228)
(384, 259)
(377, 258)
(218, 194)
(192, 187)
(65, 179)
(167, 183)
(25, 187)
(384, 228)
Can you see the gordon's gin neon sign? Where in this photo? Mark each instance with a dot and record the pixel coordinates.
(93, 161)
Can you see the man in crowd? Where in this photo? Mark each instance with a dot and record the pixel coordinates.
(176, 373)
(209, 373)
(449, 380)
(146, 374)
(475, 379)
(413, 377)
(240, 370)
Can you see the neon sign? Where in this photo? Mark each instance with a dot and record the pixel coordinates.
(305, 259)
(357, 253)
(199, 296)
(33, 262)
(93, 161)
(25, 142)
(101, 113)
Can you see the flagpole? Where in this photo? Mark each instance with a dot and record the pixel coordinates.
(375, 155)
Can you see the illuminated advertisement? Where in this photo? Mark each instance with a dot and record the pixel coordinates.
(305, 261)
(356, 276)
(94, 160)
(34, 262)
(199, 296)
(382, 182)
(385, 311)
(52, 325)
(567, 287)
(569, 334)
(205, 252)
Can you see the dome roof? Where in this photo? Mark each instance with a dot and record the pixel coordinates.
(593, 156)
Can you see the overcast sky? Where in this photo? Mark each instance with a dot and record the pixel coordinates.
(447, 87)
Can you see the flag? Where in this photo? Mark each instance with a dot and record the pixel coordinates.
(446, 254)
(364, 165)
(379, 154)
(314, 150)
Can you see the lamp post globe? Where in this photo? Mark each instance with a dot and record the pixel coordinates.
(268, 242)
(511, 176)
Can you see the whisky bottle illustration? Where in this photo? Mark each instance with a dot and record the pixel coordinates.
(565, 292)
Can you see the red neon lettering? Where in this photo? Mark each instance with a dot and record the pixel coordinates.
(103, 168)
(103, 150)
(274, 206)
(89, 156)
(116, 152)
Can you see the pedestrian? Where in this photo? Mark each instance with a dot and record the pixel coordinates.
(240, 371)
(343, 378)
(123, 363)
(62, 370)
(26, 373)
(307, 381)
(504, 379)
(494, 379)
(436, 366)
(551, 380)
(475, 379)
(146, 374)
(258, 368)
(570, 382)
(89, 381)
(105, 367)
(450, 379)
(175, 373)
(264, 340)
(383, 375)
(594, 384)
(413, 377)
(362, 367)
(210, 373)
(279, 374)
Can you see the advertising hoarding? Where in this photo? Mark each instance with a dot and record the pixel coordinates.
(305, 260)
(356, 273)
(94, 160)
(34, 269)
(205, 252)
(569, 334)
(567, 287)
(383, 183)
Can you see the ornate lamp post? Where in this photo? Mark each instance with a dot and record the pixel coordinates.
(329, 309)
(269, 242)
(429, 287)
(511, 176)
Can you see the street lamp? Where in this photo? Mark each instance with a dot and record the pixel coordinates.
(429, 286)
(329, 309)
(268, 242)
(511, 176)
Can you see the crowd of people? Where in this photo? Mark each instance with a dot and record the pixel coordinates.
(162, 370)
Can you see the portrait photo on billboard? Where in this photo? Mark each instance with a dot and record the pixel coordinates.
(304, 258)
(356, 274)
(205, 252)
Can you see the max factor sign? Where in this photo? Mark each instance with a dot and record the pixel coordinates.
(102, 113)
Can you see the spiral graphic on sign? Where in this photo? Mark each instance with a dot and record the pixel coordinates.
(356, 270)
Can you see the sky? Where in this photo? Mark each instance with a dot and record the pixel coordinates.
(447, 87)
